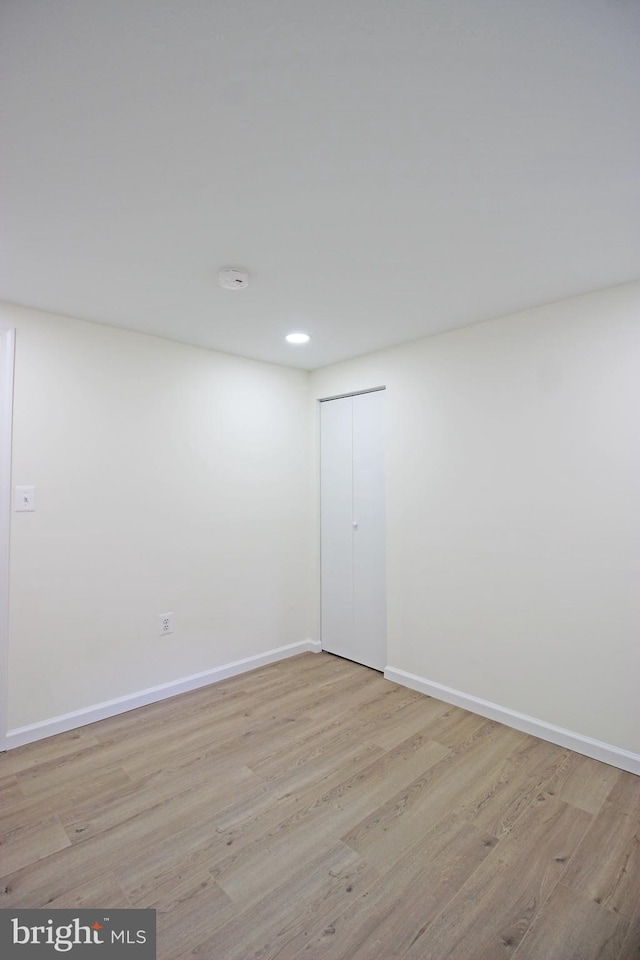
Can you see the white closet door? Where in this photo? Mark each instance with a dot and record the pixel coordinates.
(369, 566)
(336, 481)
(353, 528)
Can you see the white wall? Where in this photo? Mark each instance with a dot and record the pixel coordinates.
(175, 478)
(513, 464)
(169, 478)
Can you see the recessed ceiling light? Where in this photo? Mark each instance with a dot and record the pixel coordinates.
(297, 338)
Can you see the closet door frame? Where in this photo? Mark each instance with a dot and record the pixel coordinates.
(352, 547)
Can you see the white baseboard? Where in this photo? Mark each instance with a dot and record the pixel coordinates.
(100, 711)
(615, 756)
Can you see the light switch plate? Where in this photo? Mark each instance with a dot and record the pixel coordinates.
(25, 499)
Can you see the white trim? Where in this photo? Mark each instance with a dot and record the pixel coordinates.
(354, 393)
(605, 752)
(7, 357)
(111, 708)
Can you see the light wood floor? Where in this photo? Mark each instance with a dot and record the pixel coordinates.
(312, 809)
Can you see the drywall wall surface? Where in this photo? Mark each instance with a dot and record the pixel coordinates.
(513, 484)
(169, 479)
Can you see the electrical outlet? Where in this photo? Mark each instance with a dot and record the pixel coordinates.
(166, 624)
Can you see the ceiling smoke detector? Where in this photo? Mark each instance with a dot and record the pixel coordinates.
(233, 278)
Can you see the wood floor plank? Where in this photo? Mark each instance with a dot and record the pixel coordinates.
(570, 927)
(358, 692)
(55, 776)
(20, 810)
(300, 835)
(390, 829)
(101, 814)
(303, 902)
(125, 845)
(496, 801)
(589, 783)
(11, 796)
(46, 751)
(236, 736)
(314, 765)
(195, 906)
(335, 725)
(625, 795)
(243, 823)
(496, 906)
(385, 919)
(277, 759)
(389, 729)
(382, 701)
(455, 726)
(631, 944)
(606, 867)
(26, 844)
(96, 893)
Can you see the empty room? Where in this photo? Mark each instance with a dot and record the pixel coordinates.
(320, 479)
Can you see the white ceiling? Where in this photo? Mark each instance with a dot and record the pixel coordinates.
(385, 169)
